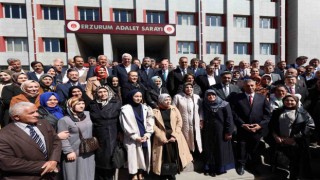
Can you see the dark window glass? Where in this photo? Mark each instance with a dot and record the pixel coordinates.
(47, 45)
(23, 12)
(89, 15)
(15, 11)
(123, 16)
(54, 13)
(96, 15)
(61, 14)
(55, 45)
(45, 12)
(7, 11)
(82, 14)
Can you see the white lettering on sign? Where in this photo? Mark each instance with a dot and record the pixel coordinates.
(148, 28)
(91, 26)
(127, 28)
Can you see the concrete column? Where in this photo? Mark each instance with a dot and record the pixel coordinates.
(229, 29)
(140, 46)
(107, 46)
(255, 30)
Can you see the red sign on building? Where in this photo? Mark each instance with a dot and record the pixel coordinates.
(104, 27)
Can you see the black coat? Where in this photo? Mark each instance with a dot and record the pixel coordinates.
(105, 128)
(217, 151)
(258, 113)
(301, 128)
(7, 93)
(155, 92)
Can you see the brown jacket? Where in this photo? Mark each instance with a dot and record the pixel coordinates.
(21, 157)
(22, 98)
(160, 135)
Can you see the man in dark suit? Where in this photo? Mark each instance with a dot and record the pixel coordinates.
(268, 69)
(122, 70)
(175, 77)
(281, 69)
(164, 71)
(102, 61)
(30, 147)
(225, 90)
(251, 115)
(60, 70)
(205, 81)
(294, 88)
(300, 61)
(63, 89)
(194, 67)
(146, 72)
(38, 70)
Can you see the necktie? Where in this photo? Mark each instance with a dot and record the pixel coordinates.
(183, 72)
(292, 90)
(147, 71)
(250, 100)
(226, 90)
(165, 75)
(37, 139)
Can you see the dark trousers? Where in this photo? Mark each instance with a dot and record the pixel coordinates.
(104, 174)
(247, 149)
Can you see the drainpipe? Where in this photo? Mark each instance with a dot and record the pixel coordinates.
(34, 31)
(200, 30)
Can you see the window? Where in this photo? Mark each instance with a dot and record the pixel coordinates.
(265, 23)
(54, 45)
(186, 48)
(15, 44)
(241, 48)
(214, 20)
(240, 21)
(123, 15)
(15, 11)
(89, 14)
(186, 19)
(266, 49)
(156, 17)
(214, 48)
(53, 13)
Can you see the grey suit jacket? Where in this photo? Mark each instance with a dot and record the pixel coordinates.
(21, 157)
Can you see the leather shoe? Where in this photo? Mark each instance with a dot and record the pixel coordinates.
(240, 170)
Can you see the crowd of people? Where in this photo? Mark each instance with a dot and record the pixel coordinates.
(163, 115)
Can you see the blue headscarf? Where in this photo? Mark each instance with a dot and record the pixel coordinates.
(130, 97)
(56, 111)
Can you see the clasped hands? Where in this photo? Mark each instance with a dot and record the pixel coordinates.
(251, 127)
(172, 139)
(142, 139)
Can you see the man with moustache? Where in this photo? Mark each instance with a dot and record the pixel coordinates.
(38, 71)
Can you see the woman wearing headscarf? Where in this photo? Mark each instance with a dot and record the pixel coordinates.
(76, 91)
(96, 81)
(50, 109)
(5, 79)
(217, 133)
(46, 83)
(290, 128)
(156, 89)
(30, 89)
(52, 71)
(168, 140)
(137, 122)
(10, 91)
(104, 113)
(113, 83)
(190, 107)
(189, 78)
(76, 166)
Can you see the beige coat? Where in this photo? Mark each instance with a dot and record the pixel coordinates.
(190, 108)
(160, 135)
(92, 84)
(130, 127)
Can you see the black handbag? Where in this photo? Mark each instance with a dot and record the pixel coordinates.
(170, 168)
(119, 155)
(87, 145)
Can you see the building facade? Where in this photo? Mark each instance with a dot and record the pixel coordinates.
(231, 29)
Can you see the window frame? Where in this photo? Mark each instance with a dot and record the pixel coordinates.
(235, 22)
(13, 40)
(243, 51)
(59, 13)
(50, 41)
(209, 47)
(158, 14)
(209, 20)
(22, 11)
(119, 16)
(190, 18)
(270, 49)
(95, 11)
(262, 24)
(190, 45)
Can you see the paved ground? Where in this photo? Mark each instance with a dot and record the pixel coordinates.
(262, 172)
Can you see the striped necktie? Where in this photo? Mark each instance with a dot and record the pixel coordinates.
(38, 140)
